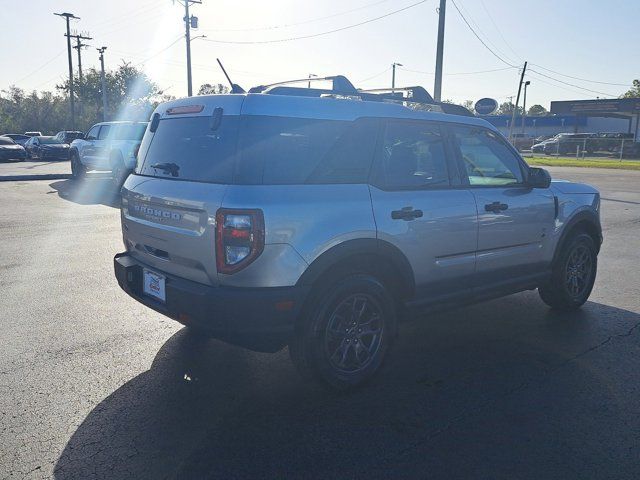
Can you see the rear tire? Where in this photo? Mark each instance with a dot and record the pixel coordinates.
(78, 170)
(345, 333)
(118, 172)
(573, 275)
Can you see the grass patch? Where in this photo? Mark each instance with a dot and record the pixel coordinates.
(587, 162)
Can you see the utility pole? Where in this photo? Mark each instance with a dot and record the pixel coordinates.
(187, 27)
(437, 87)
(79, 46)
(67, 17)
(524, 104)
(393, 75)
(513, 114)
(103, 85)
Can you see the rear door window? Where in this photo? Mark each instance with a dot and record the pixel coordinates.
(190, 148)
(104, 132)
(284, 150)
(130, 132)
(412, 156)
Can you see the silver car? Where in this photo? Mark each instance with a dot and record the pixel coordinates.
(318, 219)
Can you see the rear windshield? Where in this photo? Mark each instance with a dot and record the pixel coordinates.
(129, 132)
(260, 150)
(188, 148)
(49, 140)
(6, 141)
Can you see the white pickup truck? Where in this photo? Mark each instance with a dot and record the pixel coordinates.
(108, 146)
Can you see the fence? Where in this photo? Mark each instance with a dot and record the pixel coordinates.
(581, 146)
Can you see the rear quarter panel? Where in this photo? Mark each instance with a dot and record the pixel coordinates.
(301, 223)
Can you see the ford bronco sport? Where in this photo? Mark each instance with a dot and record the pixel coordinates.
(317, 218)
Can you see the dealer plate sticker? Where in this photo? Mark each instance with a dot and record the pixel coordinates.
(153, 285)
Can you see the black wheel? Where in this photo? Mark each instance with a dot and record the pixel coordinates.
(573, 276)
(118, 173)
(344, 336)
(78, 170)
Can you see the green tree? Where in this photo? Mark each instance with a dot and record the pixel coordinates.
(131, 95)
(633, 92)
(506, 108)
(537, 110)
(210, 89)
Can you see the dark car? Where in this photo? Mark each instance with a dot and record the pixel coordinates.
(47, 148)
(611, 142)
(19, 138)
(10, 150)
(68, 136)
(630, 149)
(570, 143)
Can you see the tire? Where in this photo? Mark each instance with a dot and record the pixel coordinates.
(573, 274)
(335, 341)
(78, 170)
(118, 172)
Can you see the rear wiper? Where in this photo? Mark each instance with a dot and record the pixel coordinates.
(171, 168)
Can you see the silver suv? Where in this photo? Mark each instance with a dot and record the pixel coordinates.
(319, 218)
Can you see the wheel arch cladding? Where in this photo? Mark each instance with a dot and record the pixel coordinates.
(585, 221)
(377, 257)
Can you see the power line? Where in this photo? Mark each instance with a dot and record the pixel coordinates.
(374, 76)
(583, 79)
(41, 66)
(480, 39)
(572, 84)
(161, 51)
(461, 73)
(498, 29)
(295, 24)
(281, 40)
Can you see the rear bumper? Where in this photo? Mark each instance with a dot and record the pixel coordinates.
(260, 319)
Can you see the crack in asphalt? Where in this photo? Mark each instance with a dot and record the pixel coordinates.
(468, 411)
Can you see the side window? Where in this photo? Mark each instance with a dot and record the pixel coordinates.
(486, 158)
(350, 158)
(413, 156)
(104, 132)
(93, 133)
(283, 150)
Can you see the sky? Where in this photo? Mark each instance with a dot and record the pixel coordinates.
(598, 42)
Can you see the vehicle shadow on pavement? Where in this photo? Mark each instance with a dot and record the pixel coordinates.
(92, 190)
(507, 387)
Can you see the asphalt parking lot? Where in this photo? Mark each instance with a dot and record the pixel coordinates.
(94, 385)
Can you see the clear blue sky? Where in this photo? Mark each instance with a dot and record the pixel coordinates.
(595, 40)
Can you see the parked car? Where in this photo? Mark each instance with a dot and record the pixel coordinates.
(631, 149)
(610, 142)
(109, 146)
(538, 147)
(46, 148)
(522, 141)
(68, 136)
(19, 138)
(33, 134)
(570, 143)
(290, 217)
(10, 150)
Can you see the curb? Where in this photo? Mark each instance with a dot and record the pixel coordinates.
(47, 176)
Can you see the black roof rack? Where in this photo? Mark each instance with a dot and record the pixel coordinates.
(341, 86)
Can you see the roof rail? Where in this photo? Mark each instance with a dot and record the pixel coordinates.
(341, 86)
(415, 94)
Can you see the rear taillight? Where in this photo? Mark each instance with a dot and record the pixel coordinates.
(239, 238)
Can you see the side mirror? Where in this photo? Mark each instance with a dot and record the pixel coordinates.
(539, 178)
